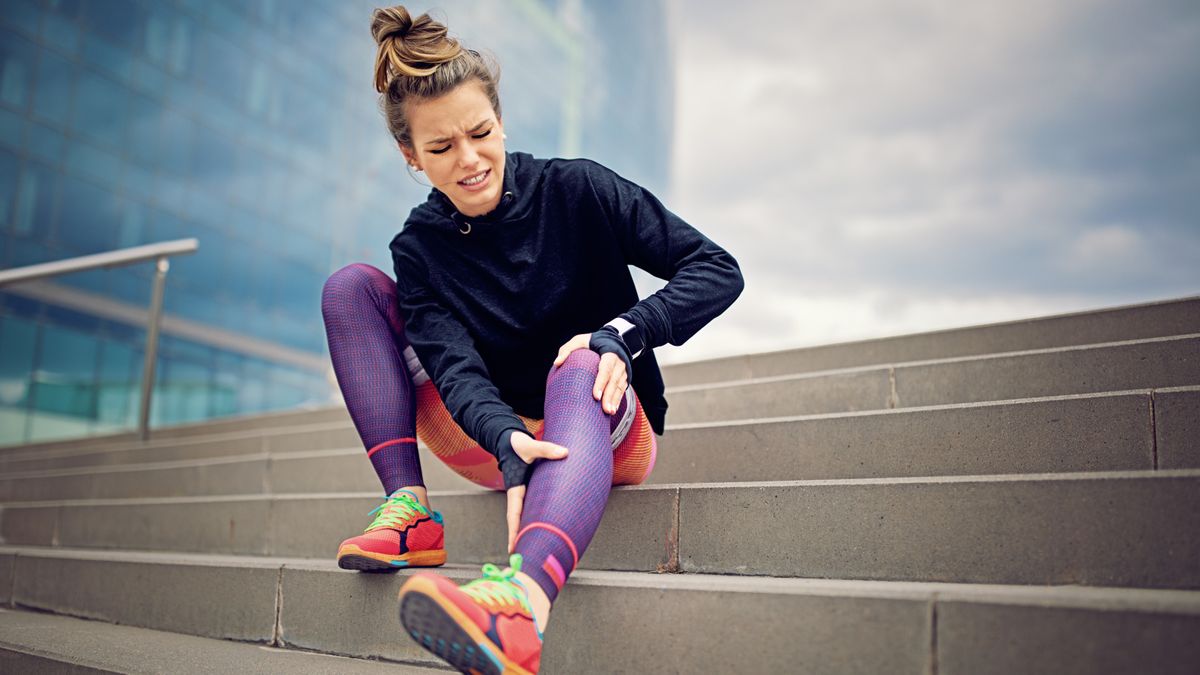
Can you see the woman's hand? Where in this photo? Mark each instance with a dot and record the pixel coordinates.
(612, 378)
(528, 449)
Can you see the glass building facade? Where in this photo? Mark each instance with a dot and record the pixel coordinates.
(252, 126)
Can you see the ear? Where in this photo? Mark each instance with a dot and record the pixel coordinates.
(409, 156)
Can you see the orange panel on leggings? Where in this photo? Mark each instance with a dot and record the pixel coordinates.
(633, 456)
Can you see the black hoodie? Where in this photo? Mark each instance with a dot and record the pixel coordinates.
(487, 310)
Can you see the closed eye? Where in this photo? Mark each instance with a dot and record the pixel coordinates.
(477, 136)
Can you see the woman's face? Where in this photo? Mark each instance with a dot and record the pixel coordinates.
(458, 143)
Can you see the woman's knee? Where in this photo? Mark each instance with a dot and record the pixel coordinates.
(580, 359)
(353, 277)
(577, 372)
(353, 282)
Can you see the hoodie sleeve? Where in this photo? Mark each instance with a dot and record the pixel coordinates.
(447, 351)
(703, 279)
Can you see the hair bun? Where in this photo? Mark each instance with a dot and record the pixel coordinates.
(392, 22)
(407, 46)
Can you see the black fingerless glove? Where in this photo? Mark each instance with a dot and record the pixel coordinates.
(608, 340)
(515, 470)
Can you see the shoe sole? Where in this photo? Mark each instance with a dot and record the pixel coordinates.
(438, 625)
(351, 557)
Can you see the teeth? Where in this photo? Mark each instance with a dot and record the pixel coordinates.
(476, 180)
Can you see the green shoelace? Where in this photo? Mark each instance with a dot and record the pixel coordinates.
(498, 586)
(396, 511)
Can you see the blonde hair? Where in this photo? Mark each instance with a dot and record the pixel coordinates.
(416, 60)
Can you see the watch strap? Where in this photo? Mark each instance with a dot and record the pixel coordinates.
(630, 334)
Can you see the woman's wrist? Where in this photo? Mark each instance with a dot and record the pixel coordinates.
(608, 340)
(633, 336)
(513, 467)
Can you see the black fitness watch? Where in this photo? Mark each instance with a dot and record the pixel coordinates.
(631, 335)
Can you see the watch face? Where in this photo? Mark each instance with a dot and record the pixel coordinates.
(633, 340)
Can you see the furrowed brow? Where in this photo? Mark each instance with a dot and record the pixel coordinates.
(472, 130)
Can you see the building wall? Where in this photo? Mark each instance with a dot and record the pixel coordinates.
(253, 127)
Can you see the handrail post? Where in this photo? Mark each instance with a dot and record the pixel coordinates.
(156, 300)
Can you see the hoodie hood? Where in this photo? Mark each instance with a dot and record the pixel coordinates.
(522, 178)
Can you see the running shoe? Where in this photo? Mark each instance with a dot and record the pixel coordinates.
(403, 534)
(484, 626)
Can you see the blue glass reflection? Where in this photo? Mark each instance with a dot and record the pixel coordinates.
(253, 127)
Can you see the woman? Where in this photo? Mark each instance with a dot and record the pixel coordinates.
(508, 343)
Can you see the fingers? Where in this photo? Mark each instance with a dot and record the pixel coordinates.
(550, 450)
(528, 448)
(612, 378)
(611, 381)
(618, 393)
(580, 341)
(516, 503)
(603, 375)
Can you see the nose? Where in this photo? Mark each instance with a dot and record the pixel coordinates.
(468, 157)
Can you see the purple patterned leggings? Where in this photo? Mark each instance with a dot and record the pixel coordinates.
(565, 498)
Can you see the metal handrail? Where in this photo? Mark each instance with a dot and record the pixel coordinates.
(160, 253)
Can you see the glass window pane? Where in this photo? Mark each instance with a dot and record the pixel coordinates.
(9, 167)
(23, 14)
(120, 379)
(114, 61)
(286, 389)
(90, 217)
(28, 252)
(34, 211)
(12, 129)
(55, 84)
(65, 381)
(121, 21)
(204, 268)
(67, 8)
(226, 381)
(177, 135)
(133, 226)
(252, 392)
(102, 109)
(46, 144)
(17, 57)
(144, 129)
(131, 284)
(17, 339)
(60, 31)
(184, 392)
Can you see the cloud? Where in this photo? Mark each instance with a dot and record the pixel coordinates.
(900, 166)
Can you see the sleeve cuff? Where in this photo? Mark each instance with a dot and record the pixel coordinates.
(623, 325)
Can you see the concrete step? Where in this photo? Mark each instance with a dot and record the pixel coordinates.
(1090, 432)
(1121, 529)
(338, 470)
(319, 436)
(1133, 322)
(81, 646)
(225, 425)
(667, 622)
(1119, 366)
(1158, 364)
(260, 421)
(1156, 429)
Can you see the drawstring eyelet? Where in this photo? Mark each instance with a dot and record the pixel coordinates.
(466, 231)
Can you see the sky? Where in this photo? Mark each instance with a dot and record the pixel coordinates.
(885, 167)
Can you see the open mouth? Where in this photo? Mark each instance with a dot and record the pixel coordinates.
(477, 181)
